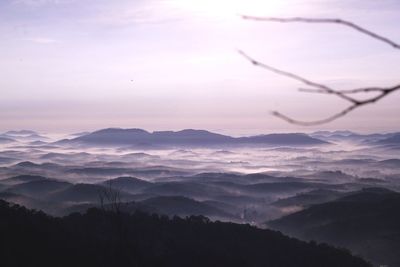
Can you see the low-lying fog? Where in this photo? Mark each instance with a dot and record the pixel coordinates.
(238, 184)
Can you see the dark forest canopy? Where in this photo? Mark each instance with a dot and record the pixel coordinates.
(104, 238)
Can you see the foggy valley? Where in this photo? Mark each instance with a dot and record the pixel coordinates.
(192, 172)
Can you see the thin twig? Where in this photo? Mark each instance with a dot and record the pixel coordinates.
(317, 122)
(350, 91)
(384, 92)
(306, 81)
(336, 21)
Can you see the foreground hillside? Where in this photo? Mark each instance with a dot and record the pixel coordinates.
(366, 222)
(100, 238)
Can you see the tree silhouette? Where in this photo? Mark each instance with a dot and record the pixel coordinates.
(31, 238)
(315, 87)
(110, 199)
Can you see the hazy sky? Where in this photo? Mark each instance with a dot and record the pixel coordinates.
(72, 65)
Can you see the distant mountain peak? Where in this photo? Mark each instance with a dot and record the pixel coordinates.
(120, 130)
(188, 137)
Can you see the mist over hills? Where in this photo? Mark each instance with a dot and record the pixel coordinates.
(394, 140)
(366, 221)
(309, 198)
(246, 180)
(391, 140)
(6, 140)
(128, 184)
(23, 135)
(21, 132)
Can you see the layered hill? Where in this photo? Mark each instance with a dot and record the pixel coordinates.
(367, 222)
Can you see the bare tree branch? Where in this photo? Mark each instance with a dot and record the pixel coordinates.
(336, 21)
(322, 88)
(351, 91)
(317, 122)
(383, 92)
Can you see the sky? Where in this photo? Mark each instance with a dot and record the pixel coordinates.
(77, 65)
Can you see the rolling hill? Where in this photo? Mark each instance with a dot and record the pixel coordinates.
(128, 184)
(366, 221)
(183, 206)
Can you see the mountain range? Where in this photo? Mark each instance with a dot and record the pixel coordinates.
(366, 139)
(187, 138)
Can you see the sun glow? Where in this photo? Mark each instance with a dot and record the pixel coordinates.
(230, 8)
